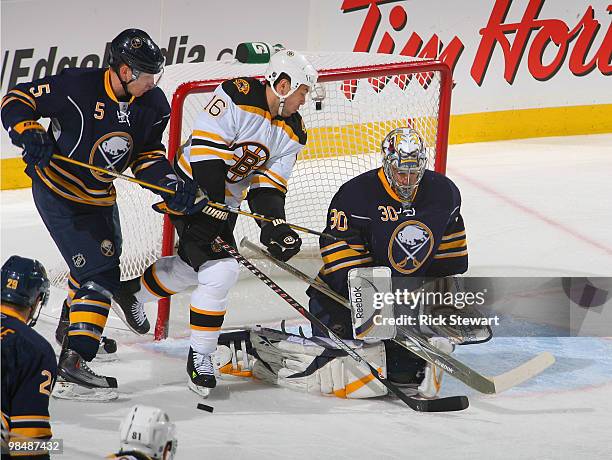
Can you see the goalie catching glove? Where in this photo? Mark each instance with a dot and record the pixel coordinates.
(282, 242)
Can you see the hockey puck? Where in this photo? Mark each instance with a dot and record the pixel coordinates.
(205, 407)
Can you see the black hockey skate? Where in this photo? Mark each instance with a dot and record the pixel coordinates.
(107, 349)
(129, 309)
(201, 373)
(76, 381)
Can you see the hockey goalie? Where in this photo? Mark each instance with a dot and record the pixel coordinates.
(396, 226)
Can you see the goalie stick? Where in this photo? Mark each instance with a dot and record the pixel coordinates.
(453, 403)
(420, 346)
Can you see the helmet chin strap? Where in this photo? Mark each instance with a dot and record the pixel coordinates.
(124, 85)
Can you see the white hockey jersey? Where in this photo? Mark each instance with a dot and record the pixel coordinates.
(237, 127)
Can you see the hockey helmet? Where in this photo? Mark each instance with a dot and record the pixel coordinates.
(136, 49)
(404, 161)
(148, 430)
(25, 284)
(295, 65)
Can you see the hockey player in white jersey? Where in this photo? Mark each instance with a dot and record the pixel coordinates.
(244, 143)
(146, 433)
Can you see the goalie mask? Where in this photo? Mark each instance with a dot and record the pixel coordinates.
(296, 67)
(148, 430)
(404, 161)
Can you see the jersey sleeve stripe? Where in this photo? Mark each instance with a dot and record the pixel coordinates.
(288, 130)
(208, 152)
(195, 141)
(453, 235)
(256, 110)
(198, 133)
(453, 244)
(451, 254)
(77, 181)
(76, 197)
(26, 96)
(340, 255)
(353, 263)
(7, 99)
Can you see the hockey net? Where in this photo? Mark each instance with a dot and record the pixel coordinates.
(367, 95)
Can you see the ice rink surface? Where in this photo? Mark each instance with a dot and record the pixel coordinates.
(536, 207)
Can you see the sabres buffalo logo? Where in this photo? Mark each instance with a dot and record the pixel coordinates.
(409, 246)
(112, 151)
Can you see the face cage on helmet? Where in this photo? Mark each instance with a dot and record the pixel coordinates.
(136, 74)
(404, 192)
(37, 308)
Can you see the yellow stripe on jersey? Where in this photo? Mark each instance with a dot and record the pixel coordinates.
(26, 96)
(258, 179)
(449, 255)
(29, 418)
(78, 182)
(453, 244)
(453, 235)
(205, 328)
(339, 255)
(198, 133)
(185, 166)
(256, 111)
(7, 99)
(208, 151)
(96, 303)
(288, 130)
(352, 263)
(78, 199)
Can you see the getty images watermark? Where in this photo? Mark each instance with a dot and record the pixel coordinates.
(421, 300)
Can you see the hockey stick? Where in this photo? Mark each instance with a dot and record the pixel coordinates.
(221, 206)
(420, 346)
(453, 403)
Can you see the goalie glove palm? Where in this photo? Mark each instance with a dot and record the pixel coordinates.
(282, 242)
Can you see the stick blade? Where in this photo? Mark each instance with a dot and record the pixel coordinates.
(449, 404)
(523, 372)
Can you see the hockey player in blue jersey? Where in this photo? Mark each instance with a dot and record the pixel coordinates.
(402, 216)
(112, 118)
(28, 361)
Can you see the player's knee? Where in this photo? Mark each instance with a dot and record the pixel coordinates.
(108, 280)
(219, 276)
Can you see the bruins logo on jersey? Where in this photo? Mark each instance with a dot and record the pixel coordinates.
(409, 246)
(249, 156)
(242, 85)
(111, 151)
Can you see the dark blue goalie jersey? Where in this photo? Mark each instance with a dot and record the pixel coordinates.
(90, 125)
(29, 369)
(367, 216)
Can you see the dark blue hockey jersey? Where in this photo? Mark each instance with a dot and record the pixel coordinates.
(29, 369)
(90, 125)
(426, 241)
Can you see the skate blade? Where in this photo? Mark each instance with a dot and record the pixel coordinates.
(72, 391)
(200, 391)
(106, 357)
(119, 312)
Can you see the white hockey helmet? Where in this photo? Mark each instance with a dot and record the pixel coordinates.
(296, 66)
(404, 161)
(148, 430)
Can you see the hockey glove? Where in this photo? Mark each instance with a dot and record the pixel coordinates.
(36, 143)
(282, 242)
(187, 197)
(205, 227)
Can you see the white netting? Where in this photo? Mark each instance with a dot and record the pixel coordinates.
(366, 97)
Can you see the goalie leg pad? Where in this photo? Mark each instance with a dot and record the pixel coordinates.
(316, 365)
(209, 301)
